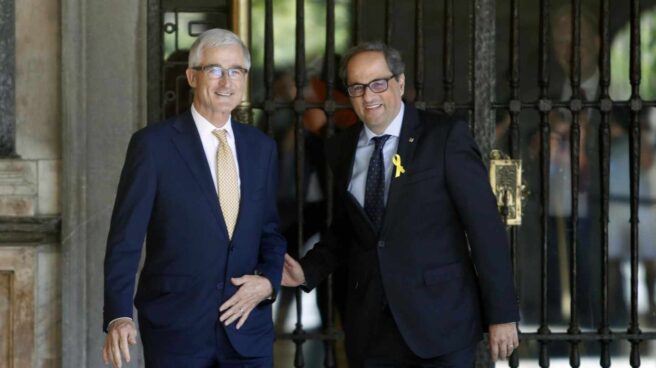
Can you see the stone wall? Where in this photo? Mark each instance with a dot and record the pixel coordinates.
(30, 204)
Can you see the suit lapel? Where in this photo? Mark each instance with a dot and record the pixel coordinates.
(344, 170)
(410, 132)
(246, 156)
(190, 148)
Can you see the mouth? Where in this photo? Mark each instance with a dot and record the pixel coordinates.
(373, 106)
(223, 93)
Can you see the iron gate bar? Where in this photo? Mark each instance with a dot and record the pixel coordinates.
(601, 105)
(299, 142)
(389, 21)
(178, 92)
(545, 149)
(454, 106)
(269, 68)
(514, 108)
(471, 75)
(515, 105)
(590, 336)
(310, 335)
(634, 163)
(419, 55)
(329, 108)
(154, 67)
(357, 32)
(604, 171)
(574, 143)
(449, 104)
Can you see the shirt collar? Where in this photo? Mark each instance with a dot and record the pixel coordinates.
(205, 127)
(394, 129)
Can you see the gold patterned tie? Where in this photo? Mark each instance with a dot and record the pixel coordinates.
(226, 179)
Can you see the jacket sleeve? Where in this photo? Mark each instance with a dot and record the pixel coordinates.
(272, 244)
(129, 222)
(469, 188)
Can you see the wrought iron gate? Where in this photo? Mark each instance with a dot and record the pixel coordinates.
(468, 71)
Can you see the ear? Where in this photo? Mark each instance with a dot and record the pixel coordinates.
(191, 77)
(401, 80)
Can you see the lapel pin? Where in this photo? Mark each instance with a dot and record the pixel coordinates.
(411, 139)
(396, 160)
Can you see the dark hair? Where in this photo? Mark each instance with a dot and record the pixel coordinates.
(392, 57)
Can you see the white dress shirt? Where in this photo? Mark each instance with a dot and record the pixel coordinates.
(363, 154)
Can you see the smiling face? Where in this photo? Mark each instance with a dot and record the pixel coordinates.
(215, 99)
(376, 110)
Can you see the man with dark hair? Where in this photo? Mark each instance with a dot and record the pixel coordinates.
(202, 187)
(416, 223)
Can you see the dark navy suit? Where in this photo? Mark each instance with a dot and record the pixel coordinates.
(167, 194)
(439, 271)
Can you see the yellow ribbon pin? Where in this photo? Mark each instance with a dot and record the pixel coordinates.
(396, 160)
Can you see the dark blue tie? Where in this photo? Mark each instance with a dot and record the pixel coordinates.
(374, 192)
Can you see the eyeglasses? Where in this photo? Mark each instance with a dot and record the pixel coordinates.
(376, 86)
(216, 72)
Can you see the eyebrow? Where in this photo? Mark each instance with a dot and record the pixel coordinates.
(223, 67)
(363, 83)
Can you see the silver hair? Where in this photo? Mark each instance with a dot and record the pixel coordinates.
(392, 57)
(216, 37)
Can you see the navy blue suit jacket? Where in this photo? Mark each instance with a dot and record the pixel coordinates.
(441, 260)
(166, 193)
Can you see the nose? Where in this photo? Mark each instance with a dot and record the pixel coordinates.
(368, 94)
(224, 80)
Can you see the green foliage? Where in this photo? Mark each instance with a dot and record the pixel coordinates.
(620, 60)
(284, 31)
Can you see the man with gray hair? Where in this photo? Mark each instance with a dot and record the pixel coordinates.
(202, 189)
(416, 223)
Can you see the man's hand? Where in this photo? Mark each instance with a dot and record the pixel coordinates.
(503, 340)
(292, 272)
(252, 290)
(121, 333)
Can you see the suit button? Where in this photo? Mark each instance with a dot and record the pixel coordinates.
(231, 248)
(219, 286)
(381, 244)
(356, 285)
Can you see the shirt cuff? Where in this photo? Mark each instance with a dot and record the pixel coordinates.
(116, 319)
(272, 296)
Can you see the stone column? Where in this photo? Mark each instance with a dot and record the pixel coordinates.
(7, 74)
(103, 103)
